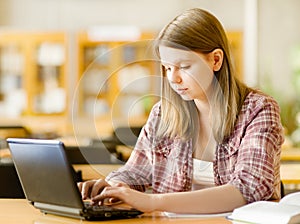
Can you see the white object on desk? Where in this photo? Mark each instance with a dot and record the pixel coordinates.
(287, 211)
(185, 215)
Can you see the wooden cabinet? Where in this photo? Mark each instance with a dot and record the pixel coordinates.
(117, 77)
(33, 73)
(235, 39)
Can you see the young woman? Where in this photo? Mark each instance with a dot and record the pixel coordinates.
(211, 144)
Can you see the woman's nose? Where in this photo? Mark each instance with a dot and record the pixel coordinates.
(174, 76)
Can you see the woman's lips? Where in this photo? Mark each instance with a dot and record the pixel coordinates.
(181, 91)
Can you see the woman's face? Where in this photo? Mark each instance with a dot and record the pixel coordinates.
(189, 73)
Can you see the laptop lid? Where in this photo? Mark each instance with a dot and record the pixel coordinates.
(44, 172)
(48, 182)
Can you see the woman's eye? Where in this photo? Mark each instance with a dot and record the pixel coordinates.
(185, 67)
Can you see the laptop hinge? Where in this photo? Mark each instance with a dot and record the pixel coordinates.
(59, 210)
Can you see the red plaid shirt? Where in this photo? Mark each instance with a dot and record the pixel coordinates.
(249, 159)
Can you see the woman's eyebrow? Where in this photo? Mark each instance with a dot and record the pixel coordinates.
(176, 62)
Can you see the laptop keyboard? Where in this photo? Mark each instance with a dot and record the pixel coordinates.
(97, 208)
(106, 211)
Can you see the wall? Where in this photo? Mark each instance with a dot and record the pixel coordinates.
(278, 35)
(75, 14)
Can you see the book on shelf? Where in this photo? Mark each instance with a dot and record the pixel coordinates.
(286, 211)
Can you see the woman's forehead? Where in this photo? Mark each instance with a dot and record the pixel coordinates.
(171, 55)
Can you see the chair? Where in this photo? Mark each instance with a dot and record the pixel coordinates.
(125, 138)
(282, 192)
(10, 186)
(127, 135)
(94, 154)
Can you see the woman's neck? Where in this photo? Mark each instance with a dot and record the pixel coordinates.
(203, 107)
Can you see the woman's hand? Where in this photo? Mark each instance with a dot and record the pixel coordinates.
(136, 199)
(91, 188)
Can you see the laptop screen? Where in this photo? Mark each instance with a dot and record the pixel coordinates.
(44, 172)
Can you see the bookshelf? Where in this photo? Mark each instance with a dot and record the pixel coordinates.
(117, 76)
(33, 73)
(33, 81)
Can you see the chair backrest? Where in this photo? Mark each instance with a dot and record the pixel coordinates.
(282, 193)
(97, 154)
(127, 135)
(10, 186)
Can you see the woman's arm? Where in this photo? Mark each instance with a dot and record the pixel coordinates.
(211, 200)
(137, 172)
(217, 199)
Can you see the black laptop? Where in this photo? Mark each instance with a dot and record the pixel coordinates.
(48, 183)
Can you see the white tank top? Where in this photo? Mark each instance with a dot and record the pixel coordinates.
(203, 175)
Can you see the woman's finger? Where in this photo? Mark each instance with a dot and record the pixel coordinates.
(79, 185)
(114, 201)
(108, 193)
(86, 189)
(98, 186)
(91, 188)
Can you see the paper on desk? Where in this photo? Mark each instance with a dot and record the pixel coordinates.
(184, 215)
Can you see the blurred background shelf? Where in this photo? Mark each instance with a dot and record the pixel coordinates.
(33, 77)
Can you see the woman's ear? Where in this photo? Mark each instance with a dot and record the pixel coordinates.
(218, 59)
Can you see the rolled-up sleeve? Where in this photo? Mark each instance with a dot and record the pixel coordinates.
(250, 160)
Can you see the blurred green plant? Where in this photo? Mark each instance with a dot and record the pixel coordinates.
(289, 105)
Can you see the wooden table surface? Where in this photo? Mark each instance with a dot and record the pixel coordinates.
(19, 211)
(290, 173)
(290, 154)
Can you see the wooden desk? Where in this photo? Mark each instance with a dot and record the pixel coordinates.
(290, 154)
(16, 211)
(290, 173)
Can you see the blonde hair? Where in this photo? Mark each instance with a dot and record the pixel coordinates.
(198, 30)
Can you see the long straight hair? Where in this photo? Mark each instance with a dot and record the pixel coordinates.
(199, 31)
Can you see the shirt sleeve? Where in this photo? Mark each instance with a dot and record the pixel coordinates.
(255, 161)
(137, 172)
